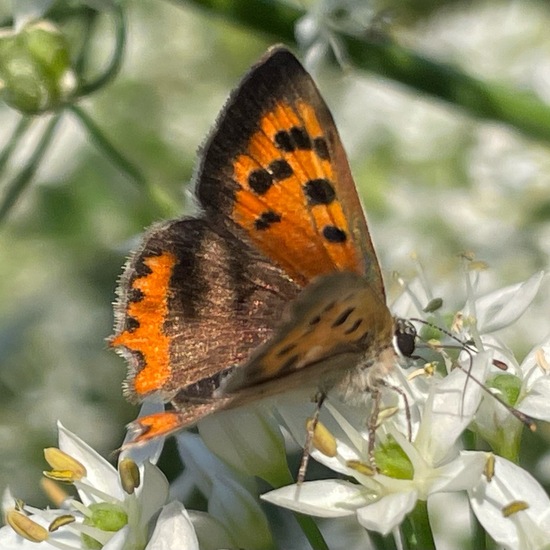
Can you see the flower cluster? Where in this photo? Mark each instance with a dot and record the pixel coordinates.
(379, 487)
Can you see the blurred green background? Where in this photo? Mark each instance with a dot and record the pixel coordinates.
(434, 179)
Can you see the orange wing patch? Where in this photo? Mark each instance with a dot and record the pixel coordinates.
(146, 312)
(287, 200)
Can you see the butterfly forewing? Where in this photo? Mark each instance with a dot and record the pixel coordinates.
(276, 169)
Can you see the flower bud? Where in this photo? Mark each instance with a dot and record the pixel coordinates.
(35, 68)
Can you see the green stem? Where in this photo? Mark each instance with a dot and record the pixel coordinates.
(311, 531)
(15, 189)
(417, 530)
(521, 110)
(479, 535)
(116, 60)
(306, 523)
(89, 23)
(163, 203)
(12, 142)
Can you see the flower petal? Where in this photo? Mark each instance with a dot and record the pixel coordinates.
(248, 439)
(460, 474)
(241, 514)
(327, 499)
(450, 409)
(536, 403)
(204, 466)
(211, 533)
(153, 492)
(388, 512)
(118, 540)
(525, 530)
(100, 474)
(10, 540)
(174, 530)
(503, 307)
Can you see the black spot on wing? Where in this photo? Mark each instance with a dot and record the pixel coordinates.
(334, 234)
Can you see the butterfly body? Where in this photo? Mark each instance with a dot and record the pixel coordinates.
(274, 285)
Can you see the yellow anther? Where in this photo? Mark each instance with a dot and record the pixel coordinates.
(541, 360)
(386, 413)
(25, 527)
(64, 466)
(60, 522)
(323, 440)
(489, 470)
(434, 343)
(458, 322)
(129, 475)
(361, 467)
(514, 507)
(65, 476)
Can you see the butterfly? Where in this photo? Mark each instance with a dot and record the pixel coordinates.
(274, 285)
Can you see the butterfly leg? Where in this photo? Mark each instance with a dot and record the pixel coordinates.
(311, 425)
(372, 424)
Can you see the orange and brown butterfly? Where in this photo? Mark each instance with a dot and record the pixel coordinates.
(274, 285)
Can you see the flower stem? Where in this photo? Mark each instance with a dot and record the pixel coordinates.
(115, 62)
(15, 189)
(311, 531)
(163, 203)
(12, 142)
(416, 528)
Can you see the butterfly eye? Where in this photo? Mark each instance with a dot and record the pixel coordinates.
(404, 337)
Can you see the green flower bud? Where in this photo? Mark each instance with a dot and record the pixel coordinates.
(35, 68)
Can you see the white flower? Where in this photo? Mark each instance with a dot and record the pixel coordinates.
(231, 495)
(431, 464)
(114, 510)
(513, 508)
(525, 387)
(249, 439)
(503, 307)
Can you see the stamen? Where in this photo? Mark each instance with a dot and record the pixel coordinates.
(514, 507)
(25, 527)
(64, 467)
(361, 467)
(129, 475)
(61, 521)
(489, 470)
(323, 440)
(540, 358)
(386, 413)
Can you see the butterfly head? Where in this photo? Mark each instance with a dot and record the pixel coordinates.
(404, 338)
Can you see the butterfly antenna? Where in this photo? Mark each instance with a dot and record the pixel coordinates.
(522, 417)
(462, 345)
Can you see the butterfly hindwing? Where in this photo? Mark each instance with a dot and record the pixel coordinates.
(335, 324)
(275, 170)
(193, 301)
